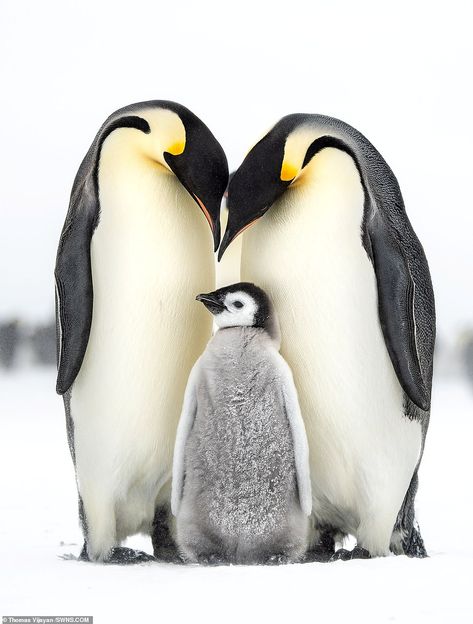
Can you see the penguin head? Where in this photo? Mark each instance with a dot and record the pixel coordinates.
(241, 305)
(254, 187)
(276, 162)
(173, 137)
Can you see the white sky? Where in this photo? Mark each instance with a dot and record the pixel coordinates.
(400, 72)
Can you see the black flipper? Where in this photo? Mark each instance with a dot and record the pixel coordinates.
(396, 294)
(74, 292)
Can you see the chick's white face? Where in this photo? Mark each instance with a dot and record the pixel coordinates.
(240, 310)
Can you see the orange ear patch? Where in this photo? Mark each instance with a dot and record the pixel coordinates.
(288, 172)
(176, 148)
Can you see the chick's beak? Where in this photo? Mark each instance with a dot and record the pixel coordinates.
(211, 302)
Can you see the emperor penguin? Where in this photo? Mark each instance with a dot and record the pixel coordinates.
(327, 236)
(241, 480)
(135, 245)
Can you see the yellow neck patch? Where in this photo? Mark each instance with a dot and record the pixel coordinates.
(288, 171)
(176, 148)
(295, 150)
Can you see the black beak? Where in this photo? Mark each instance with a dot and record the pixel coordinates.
(211, 302)
(227, 239)
(255, 186)
(182, 167)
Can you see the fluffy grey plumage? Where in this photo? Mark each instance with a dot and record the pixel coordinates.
(245, 496)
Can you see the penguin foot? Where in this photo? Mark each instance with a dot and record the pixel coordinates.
(346, 555)
(120, 555)
(323, 550)
(128, 556)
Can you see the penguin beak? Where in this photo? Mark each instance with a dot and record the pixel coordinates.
(211, 302)
(253, 189)
(189, 180)
(202, 170)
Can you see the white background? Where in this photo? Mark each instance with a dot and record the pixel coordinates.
(400, 72)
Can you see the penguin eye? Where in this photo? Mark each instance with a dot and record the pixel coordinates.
(238, 304)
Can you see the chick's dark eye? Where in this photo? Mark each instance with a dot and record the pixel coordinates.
(238, 304)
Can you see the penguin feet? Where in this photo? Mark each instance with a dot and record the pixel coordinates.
(346, 555)
(128, 556)
(323, 550)
(120, 555)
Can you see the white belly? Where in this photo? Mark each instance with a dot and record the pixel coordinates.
(151, 255)
(307, 253)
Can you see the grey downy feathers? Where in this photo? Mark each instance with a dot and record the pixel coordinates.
(241, 487)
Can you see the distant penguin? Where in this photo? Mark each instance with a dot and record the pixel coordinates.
(135, 246)
(327, 236)
(241, 482)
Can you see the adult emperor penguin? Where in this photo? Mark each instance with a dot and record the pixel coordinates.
(332, 245)
(241, 477)
(135, 245)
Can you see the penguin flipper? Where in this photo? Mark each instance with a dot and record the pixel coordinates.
(186, 422)
(74, 292)
(73, 273)
(299, 436)
(396, 308)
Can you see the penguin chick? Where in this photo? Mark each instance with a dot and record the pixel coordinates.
(241, 482)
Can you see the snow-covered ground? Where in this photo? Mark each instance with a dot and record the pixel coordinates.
(39, 525)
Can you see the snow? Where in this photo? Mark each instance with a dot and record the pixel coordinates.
(39, 525)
